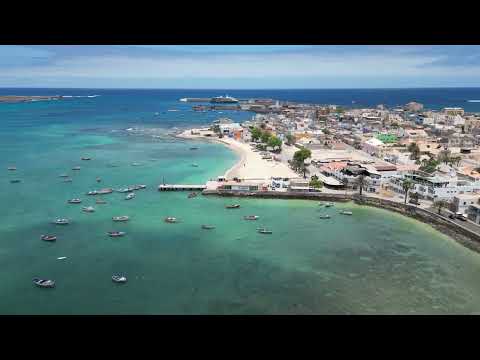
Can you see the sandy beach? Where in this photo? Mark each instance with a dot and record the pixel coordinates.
(251, 166)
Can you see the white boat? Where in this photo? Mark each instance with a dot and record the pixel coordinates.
(11, 168)
(93, 192)
(264, 231)
(116, 233)
(68, 180)
(329, 204)
(61, 258)
(44, 283)
(136, 164)
(125, 190)
(88, 209)
(208, 227)
(104, 191)
(74, 201)
(171, 219)
(195, 165)
(183, 99)
(251, 217)
(48, 237)
(15, 181)
(63, 175)
(345, 212)
(61, 221)
(130, 196)
(86, 158)
(119, 279)
(233, 206)
(76, 168)
(120, 218)
(325, 216)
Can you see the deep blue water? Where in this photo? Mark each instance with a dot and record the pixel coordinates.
(432, 98)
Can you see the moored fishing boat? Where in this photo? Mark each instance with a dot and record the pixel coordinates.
(61, 221)
(99, 180)
(346, 212)
(251, 217)
(195, 165)
(171, 219)
(15, 181)
(208, 227)
(192, 195)
(74, 201)
(116, 233)
(63, 175)
(119, 279)
(86, 158)
(12, 168)
(329, 204)
(67, 180)
(44, 283)
(104, 191)
(120, 218)
(93, 192)
(233, 206)
(324, 216)
(76, 168)
(194, 148)
(264, 231)
(88, 209)
(48, 237)
(125, 190)
(130, 196)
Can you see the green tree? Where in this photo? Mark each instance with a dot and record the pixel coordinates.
(407, 185)
(315, 182)
(265, 137)
(274, 141)
(290, 139)
(429, 165)
(414, 196)
(440, 204)
(299, 158)
(414, 150)
(256, 133)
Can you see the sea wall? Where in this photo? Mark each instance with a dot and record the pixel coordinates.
(448, 227)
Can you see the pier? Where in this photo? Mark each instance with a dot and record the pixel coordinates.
(166, 187)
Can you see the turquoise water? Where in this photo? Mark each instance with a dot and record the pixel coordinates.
(373, 262)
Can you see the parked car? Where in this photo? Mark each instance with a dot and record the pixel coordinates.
(461, 216)
(414, 201)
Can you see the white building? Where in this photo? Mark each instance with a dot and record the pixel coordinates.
(461, 203)
(374, 147)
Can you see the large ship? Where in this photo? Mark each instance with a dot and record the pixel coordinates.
(224, 99)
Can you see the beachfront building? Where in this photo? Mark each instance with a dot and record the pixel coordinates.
(233, 129)
(242, 186)
(414, 106)
(461, 203)
(473, 213)
(453, 111)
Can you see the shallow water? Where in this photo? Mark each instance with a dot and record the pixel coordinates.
(374, 262)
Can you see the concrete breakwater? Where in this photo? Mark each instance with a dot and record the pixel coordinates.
(450, 228)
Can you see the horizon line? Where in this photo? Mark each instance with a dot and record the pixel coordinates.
(235, 89)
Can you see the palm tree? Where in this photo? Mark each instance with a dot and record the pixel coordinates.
(361, 181)
(407, 185)
(439, 204)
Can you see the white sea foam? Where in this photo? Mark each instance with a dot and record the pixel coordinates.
(473, 100)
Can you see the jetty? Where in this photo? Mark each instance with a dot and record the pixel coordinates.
(177, 187)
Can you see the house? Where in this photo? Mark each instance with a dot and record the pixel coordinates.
(374, 147)
(453, 111)
(473, 213)
(242, 186)
(230, 129)
(414, 106)
(461, 203)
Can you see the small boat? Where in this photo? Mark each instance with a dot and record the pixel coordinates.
(44, 283)
(120, 218)
(125, 190)
(104, 191)
(74, 201)
(119, 279)
(116, 233)
(171, 219)
(324, 216)
(88, 209)
(63, 175)
(264, 231)
(136, 164)
(194, 148)
(208, 227)
(15, 181)
(130, 196)
(251, 217)
(86, 158)
(329, 204)
(100, 201)
(99, 180)
(61, 258)
(11, 168)
(233, 206)
(68, 180)
(76, 168)
(195, 165)
(141, 186)
(61, 221)
(345, 212)
(192, 195)
(48, 237)
(93, 192)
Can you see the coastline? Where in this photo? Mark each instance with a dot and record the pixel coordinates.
(250, 166)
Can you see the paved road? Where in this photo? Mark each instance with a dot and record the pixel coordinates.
(468, 224)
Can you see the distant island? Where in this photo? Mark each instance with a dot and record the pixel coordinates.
(16, 98)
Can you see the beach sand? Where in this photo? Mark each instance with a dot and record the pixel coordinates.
(251, 166)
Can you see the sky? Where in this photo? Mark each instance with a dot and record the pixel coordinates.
(239, 66)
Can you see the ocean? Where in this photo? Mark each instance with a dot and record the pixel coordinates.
(374, 262)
